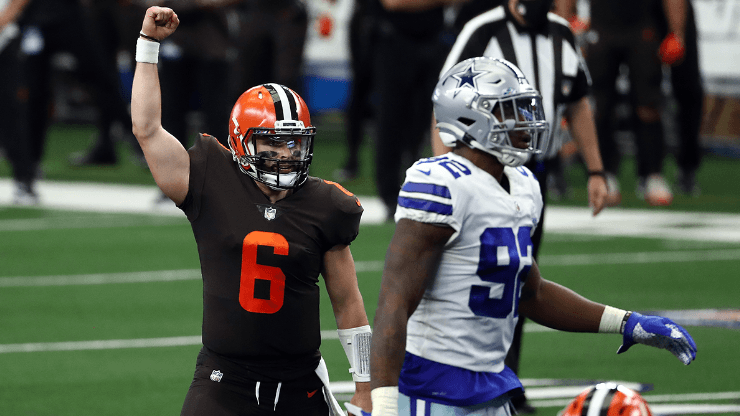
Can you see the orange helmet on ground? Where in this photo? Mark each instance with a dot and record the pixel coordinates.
(607, 399)
(271, 137)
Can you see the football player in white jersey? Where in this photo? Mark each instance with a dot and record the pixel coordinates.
(459, 269)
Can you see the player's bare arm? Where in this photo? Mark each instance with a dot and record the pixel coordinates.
(583, 130)
(556, 306)
(346, 300)
(411, 263)
(167, 158)
(341, 284)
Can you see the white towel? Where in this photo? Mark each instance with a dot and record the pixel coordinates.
(323, 373)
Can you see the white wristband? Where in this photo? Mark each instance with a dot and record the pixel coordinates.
(356, 344)
(611, 320)
(385, 400)
(147, 51)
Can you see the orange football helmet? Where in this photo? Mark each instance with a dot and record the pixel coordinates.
(271, 137)
(607, 399)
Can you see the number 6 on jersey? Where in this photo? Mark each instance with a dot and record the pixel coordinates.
(251, 271)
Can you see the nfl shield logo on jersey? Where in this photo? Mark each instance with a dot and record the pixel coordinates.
(270, 213)
(216, 376)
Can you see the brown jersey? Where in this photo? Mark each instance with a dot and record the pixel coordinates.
(261, 261)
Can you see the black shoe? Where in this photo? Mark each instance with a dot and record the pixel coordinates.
(686, 183)
(96, 156)
(25, 194)
(525, 409)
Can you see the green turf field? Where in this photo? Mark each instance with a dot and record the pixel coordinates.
(78, 318)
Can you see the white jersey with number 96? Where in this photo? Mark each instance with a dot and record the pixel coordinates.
(468, 313)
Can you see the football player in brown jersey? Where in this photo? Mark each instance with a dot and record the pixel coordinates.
(265, 231)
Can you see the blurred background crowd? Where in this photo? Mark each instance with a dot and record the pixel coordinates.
(663, 83)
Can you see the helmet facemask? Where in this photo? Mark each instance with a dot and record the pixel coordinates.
(515, 121)
(278, 157)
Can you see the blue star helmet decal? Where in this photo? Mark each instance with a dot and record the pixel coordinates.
(467, 77)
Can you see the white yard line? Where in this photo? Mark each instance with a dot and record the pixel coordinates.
(693, 409)
(639, 258)
(561, 396)
(328, 334)
(87, 221)
(113, 344)
(552, 396)
(136, 199)
(658, 409)
(101, 278)
(142, 199)
(376, 266)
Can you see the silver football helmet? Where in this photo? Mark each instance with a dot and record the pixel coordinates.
(483, 102)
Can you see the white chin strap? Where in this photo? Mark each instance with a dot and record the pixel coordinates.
(448, 133)
(286, 179)
(513, 160)
(507, 157)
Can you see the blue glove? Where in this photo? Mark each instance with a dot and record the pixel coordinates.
(355, 410)
(658, 332)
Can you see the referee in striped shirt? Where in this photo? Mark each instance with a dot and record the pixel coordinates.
(542, 45)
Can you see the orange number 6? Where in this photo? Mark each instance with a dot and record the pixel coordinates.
(251, 271)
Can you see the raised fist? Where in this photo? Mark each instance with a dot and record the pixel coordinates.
(159, 22)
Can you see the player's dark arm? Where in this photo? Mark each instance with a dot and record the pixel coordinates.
(410, 265)
(558, 307)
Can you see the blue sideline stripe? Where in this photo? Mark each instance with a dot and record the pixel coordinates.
(424, 205)
(427, 188)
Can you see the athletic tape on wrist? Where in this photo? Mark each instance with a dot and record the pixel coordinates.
(147, 51)
(611, 320)
(385, 400)
(356, 344)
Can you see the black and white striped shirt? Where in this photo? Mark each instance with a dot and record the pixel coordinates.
(549, 59)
